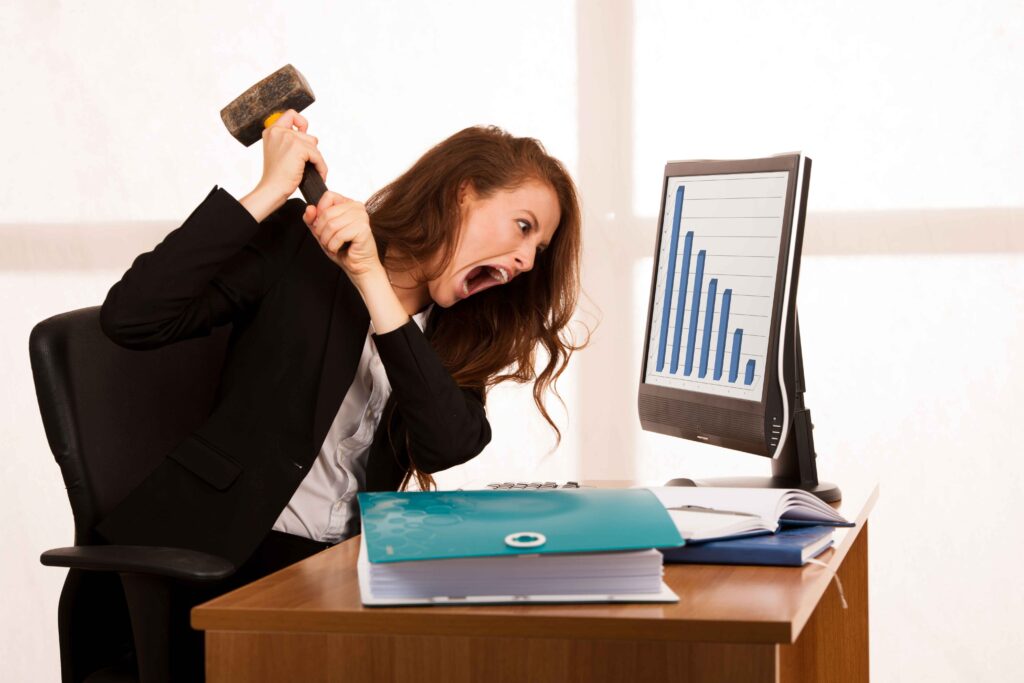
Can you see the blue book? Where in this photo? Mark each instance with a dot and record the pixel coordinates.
(790, 547)
(429, 525)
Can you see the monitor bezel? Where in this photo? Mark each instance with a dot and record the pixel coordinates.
(783, 162)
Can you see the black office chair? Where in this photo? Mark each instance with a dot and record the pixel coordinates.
(110, 415)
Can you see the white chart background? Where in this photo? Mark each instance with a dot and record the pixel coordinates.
(737, 220)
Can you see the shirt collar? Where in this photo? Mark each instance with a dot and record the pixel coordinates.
(421, 317)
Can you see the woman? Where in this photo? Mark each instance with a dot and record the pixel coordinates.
(347, 369)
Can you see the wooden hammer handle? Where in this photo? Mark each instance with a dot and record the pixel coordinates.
(312, 186)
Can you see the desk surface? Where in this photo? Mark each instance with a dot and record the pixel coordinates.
(718, 603)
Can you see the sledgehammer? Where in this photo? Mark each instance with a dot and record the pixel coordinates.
(261, 105)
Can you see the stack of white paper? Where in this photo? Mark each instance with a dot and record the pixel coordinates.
(635, 575)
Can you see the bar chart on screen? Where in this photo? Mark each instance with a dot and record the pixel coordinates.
(715, 282)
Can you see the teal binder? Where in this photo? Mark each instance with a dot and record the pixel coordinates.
(433, 525)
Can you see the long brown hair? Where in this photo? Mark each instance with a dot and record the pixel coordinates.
(493, 336)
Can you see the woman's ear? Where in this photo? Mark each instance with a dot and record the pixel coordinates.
(466, 192)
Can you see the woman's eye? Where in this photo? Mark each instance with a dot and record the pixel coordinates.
(524, 225)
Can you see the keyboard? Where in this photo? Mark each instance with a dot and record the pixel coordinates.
(536, 485)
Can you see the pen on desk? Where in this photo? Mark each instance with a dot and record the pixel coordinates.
(702, 508)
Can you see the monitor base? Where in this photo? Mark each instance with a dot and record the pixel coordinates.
(829, 493)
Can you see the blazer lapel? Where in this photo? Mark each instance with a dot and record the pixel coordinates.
(346, 335)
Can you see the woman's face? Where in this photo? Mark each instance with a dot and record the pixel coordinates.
(500, 237)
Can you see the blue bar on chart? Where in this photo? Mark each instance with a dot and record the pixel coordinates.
(709, 317)
(734, 364)
(748, 377)
(698, 282)
(723, 323)
(677, 215)
(681, 304)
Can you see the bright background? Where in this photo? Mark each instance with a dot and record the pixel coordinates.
(912, 277)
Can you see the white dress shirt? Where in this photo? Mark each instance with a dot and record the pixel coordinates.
(323, 508)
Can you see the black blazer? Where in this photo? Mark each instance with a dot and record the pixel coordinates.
(299, 326)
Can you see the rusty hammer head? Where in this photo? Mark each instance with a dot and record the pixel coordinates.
(282, 90)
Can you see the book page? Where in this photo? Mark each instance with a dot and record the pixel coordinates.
(768, 504)
(765, 503)
(694, 525)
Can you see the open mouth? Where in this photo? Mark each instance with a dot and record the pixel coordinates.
(481, 278)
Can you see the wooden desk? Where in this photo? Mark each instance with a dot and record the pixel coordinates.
(305, 623)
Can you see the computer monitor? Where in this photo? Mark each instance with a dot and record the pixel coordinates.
(722, 362)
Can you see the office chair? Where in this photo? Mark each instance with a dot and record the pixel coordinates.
(110, 415)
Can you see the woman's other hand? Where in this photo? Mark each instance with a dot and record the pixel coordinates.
(336, 221)
(286, 150)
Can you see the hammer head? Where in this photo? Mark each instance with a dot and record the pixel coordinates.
(280, 91)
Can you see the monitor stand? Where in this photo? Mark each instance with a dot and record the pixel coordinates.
(795, 468)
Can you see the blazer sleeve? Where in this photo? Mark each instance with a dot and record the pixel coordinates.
(211, 270)
(447, 425)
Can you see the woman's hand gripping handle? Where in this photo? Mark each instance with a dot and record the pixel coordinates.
(290, 160)
(337, 221)
(342, 228)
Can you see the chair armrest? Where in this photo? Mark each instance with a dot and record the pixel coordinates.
(172, 563)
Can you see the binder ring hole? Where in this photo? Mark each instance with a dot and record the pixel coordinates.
(525, 539)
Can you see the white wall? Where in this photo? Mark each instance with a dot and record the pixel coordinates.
(123, 99)
(912, 277)
(910, 103)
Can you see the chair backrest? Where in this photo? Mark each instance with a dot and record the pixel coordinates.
(111, 414)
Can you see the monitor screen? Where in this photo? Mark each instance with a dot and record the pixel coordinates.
(715, 283)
